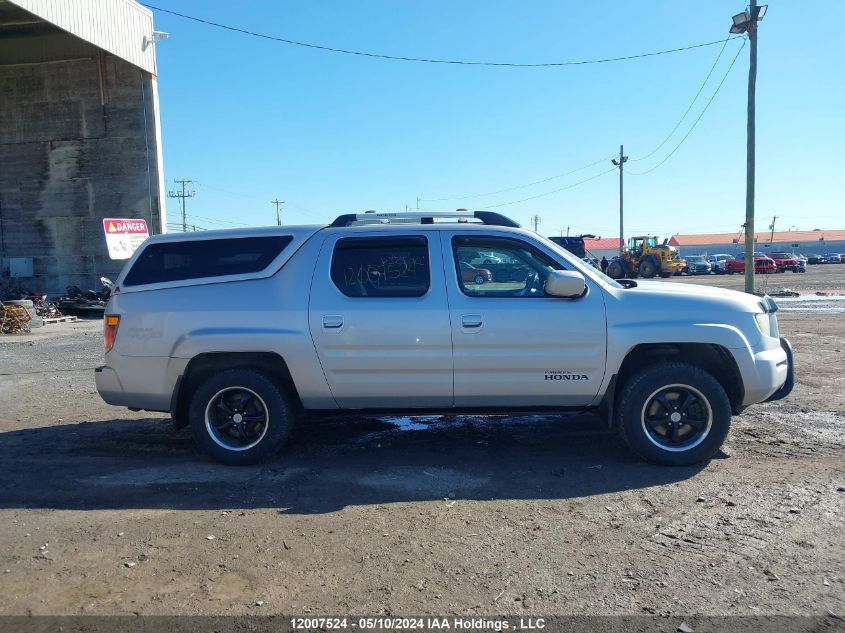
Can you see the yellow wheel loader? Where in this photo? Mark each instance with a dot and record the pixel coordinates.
(646, 258)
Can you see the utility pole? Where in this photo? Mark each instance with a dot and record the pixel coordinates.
(772, 236)
(746, 22)
(278, 204)
(750, 156)
(622, 160)
(183, 195)
(535, 220)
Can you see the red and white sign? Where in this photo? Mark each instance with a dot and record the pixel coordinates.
(124, 236)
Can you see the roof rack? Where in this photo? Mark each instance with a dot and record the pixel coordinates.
(489, 218)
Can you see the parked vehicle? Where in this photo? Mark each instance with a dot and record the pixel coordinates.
(574, 244)
(815, 259)
(237, 332)
(801, 258)
(471, 274)
(787, 261)
(832, 258)
(763, 265)
(696, 265)
(485, 259)
(717, 262)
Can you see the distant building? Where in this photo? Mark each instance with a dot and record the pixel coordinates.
(805, 242)
(80, 137)
(602, 247)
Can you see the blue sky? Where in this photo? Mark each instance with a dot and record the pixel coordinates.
(251, 120)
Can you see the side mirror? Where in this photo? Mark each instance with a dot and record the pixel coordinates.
(565, 283)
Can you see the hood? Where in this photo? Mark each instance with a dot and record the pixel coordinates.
(692, 296)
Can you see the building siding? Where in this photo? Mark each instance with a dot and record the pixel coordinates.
(116, 26)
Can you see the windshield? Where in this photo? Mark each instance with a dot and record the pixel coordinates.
(577, 264)
(695, 259)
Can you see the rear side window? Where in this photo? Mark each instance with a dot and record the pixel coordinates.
(381, 267)
(197, 259)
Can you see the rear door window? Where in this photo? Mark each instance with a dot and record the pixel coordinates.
(381, 266)
(196, 259)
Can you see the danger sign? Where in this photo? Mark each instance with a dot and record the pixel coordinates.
(124, 236)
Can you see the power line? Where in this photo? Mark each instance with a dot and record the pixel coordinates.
(426, 60)
(681, 142)
(530, 184)
(692, 103)
(548, 193)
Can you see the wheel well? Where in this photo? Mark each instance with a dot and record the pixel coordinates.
(202, 366)
(714, 359)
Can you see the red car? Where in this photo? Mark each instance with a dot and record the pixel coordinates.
(762, 264)
(787, 261)
(471, 274)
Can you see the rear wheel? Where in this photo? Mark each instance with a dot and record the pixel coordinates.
(674, 414)
(240, 416)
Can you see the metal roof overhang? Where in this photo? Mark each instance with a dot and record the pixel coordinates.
(119, 27)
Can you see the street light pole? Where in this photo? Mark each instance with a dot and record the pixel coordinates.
(746, 22)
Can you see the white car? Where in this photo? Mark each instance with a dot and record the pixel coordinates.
(237, 332)
(717, 262)
(485, 259)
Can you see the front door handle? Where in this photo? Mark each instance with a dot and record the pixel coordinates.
(332, 321)
(471, 321)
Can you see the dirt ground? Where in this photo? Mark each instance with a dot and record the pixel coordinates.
(105, 511)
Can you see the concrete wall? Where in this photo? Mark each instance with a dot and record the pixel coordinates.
(74, 149)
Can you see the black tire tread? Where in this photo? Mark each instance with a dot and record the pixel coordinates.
(675, 372)
(280, 415)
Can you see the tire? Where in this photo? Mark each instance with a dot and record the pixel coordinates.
(648, 269)
(179, 420)
(709, 414)
(615, 270)
(249, 394)
(479, 279)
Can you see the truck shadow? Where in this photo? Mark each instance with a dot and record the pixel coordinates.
(327, 465)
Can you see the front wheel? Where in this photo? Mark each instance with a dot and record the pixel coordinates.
(673, 414)
(615, 270)
(240, 416)
(479, 279)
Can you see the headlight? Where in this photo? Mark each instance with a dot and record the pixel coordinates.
(764, 323)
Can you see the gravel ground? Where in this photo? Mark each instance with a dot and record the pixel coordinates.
(105, 511)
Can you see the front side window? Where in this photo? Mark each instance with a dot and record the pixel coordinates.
(381, 266)
(501, 267)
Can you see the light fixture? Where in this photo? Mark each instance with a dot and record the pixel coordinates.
(155, 38)
(743, 21)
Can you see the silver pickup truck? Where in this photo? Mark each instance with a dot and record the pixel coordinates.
(237, 332)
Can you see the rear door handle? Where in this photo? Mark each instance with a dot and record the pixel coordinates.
(332, 321)
(471, 321)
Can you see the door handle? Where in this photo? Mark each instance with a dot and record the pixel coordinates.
(471, 321)
(332, 321)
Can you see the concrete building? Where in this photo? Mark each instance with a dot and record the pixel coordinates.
(804, 242)
(80, 136)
